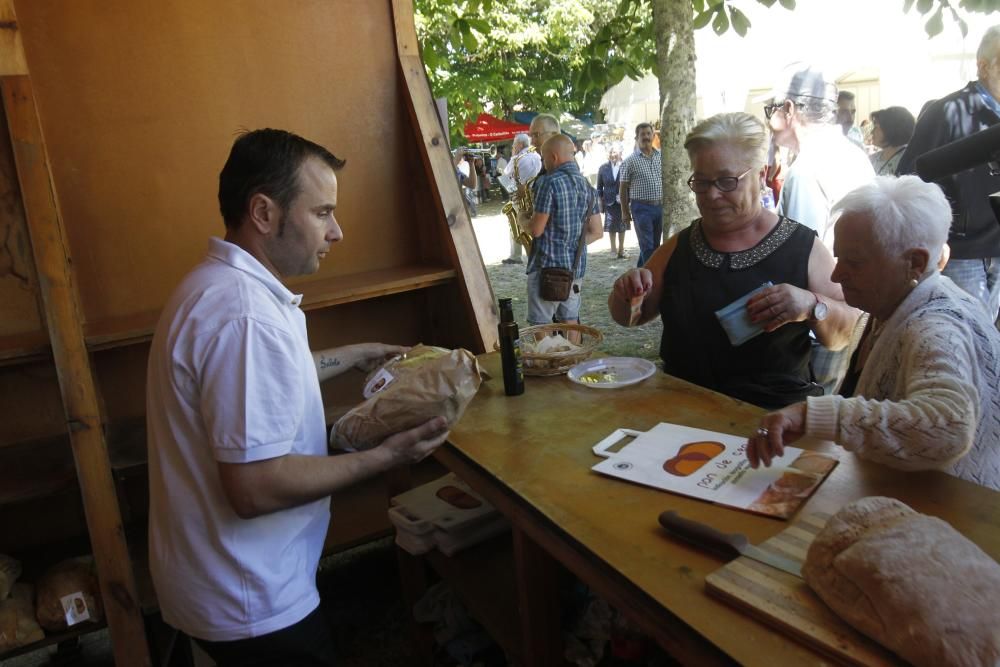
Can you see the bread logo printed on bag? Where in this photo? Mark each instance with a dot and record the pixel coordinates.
(378, 382)
(456, 497)
(692, 456)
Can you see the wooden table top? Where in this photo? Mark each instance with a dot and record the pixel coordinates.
(536, 449)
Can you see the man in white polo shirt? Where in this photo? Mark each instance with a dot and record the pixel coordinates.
(239, 473)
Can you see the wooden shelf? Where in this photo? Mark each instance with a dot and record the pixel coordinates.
(36, 469)
(118, 331)
(21, 348)
(370, 284)
(51, 639)
(483, 578)
(40, 468)
(136, 328)
(317, 293)
(144, 587)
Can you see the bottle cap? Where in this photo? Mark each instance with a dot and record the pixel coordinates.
(506, 311)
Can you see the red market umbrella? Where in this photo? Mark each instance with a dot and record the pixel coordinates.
(491, 128)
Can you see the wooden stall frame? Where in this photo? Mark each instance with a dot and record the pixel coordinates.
(76, 380)
(437, 162)
(71, 338)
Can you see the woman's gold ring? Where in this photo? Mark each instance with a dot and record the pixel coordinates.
(762, 432)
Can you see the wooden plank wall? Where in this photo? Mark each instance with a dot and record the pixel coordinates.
(139, 103)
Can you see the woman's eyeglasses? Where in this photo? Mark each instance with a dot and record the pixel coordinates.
(724, 184)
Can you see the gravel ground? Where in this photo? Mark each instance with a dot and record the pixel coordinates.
(603, 268)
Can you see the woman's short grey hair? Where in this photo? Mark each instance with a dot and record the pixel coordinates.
(738, 129)
(523, 139)
(905, 212)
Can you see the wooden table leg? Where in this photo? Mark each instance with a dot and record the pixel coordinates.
(538, 602)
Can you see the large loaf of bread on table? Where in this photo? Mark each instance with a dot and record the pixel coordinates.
(909, 581)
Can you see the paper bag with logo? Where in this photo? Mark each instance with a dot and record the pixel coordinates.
(407, 391)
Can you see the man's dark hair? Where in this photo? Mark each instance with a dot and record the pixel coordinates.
(845, 96)
(265, 161)
(642, 125)
(896, 123)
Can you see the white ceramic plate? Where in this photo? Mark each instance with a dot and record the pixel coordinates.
(611, 372)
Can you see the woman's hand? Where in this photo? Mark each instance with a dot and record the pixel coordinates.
(777, 429)
(780, 304)
(631, 288)
(632, 284)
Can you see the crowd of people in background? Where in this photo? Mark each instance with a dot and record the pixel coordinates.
(897, 331)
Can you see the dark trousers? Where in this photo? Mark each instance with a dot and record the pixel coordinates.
(307, 643)
(648, 228)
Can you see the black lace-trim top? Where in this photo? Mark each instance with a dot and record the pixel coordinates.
(743, 259)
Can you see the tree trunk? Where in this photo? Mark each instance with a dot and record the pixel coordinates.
(675, 59)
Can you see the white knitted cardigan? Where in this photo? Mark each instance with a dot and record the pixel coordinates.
(929, 394)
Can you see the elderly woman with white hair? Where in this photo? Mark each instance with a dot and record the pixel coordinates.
(740, 290)
(927, 368)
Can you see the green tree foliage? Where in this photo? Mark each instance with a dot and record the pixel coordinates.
(561, 55)
(511, 53)
(938, 9)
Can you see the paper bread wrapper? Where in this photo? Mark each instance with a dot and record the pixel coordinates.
(405, 392)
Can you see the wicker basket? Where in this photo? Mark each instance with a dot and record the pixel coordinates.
(555, 363)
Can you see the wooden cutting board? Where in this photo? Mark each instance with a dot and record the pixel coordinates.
(786, 602)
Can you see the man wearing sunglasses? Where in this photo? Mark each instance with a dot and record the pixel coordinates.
(824, 167)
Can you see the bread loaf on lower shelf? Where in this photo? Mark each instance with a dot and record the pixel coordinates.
(10, 570)
(68, 593)
(909, 581)
(18, 626)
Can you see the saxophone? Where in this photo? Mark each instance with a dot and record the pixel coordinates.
(524, 208)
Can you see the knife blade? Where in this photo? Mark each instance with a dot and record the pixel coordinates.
(727, 545)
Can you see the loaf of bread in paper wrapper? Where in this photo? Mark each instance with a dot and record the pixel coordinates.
(18, 626)
(909, 581)
(407, 391)
(68, 577)
(10, 570)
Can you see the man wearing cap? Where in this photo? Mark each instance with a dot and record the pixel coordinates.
(825, 166)
(524, 165)
(975, 234)
(641, 192)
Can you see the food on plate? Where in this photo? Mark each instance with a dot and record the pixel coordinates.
(600, 376)
(909, 581)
